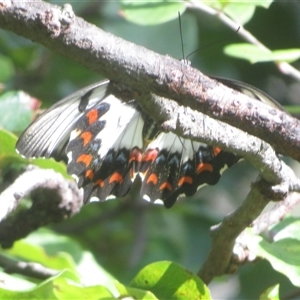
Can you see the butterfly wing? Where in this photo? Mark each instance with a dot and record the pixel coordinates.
(103, 138)
(250, 91)
(105, 148)
(172, 166)
(48, 135)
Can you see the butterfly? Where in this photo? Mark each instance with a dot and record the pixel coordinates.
(107, 142)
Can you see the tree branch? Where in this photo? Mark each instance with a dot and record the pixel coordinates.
(54, 199)
(145, 71)
(26, 268)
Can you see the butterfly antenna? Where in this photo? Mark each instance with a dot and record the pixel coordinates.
(181, 38)
(213, 43)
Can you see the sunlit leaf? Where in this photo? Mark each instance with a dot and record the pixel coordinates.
(31, 252)
(167, 280)
(288, 228)
(151, 12)
(255, 54)
(65, 285)
(240, 11)
(272, 293)
(133, 293)
(282, 254)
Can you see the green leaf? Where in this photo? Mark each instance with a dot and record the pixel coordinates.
(67, 289)
(167, 280)
(31, 252)
(255, 54)
(86, 265)
(288, 228)
(126, 291)
(15, 283)
(282, 254)
(272, 293)
(240, 11)
(62, 286)
(59, 253)
(50, 163)
(9, 156)
(7, 68)
(151, 12)
(16, 110)
(7, 142)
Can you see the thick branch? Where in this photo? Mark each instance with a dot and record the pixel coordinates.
(54, 199)
(145, 71)
(224, 234)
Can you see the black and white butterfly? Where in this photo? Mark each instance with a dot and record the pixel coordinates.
(106, 142)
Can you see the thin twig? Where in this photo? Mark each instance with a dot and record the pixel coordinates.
(283, 67)
(31, 269)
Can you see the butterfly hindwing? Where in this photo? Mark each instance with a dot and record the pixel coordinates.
(172, 166)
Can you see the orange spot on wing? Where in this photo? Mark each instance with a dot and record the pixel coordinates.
(166, 186)
(86, 136)
(185, 179)
(89, 174)
(150, 155)
(204, 167)
(216, 150)
(152, 178)
(116, 177)
(92, 116)
(99, 182)
(85, 158)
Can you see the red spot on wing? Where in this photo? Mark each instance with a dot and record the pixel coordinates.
(166, 186)
(116, 177)
(185, 179)
(92, 116)
(85, 158)
(150, 155)
(135, 158)
(135, 155)
(204, 167)
(99, 182)
(86, 136)
(89, 174)
(216, 150)
(152, 178)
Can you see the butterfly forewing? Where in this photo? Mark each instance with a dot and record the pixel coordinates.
(105, 148)
(48, 135)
